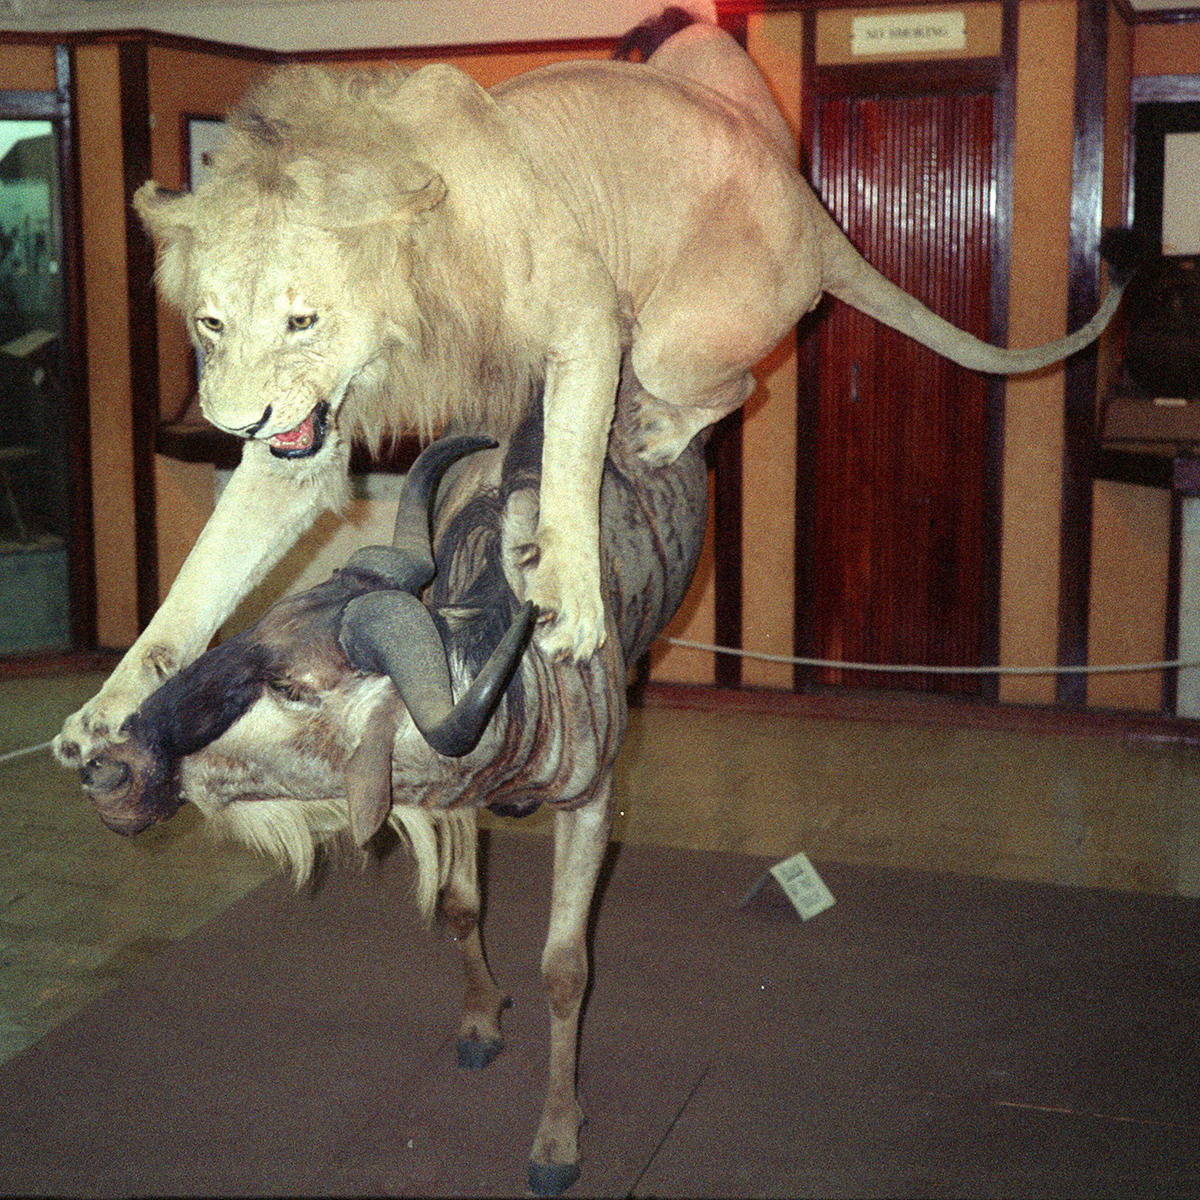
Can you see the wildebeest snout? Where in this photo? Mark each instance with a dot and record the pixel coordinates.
(131, 788)
(103, 775)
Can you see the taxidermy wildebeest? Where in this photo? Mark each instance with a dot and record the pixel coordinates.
(378, 252)
(356, 704)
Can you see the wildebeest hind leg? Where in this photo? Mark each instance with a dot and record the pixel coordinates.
(479, 1038)
(580, 838)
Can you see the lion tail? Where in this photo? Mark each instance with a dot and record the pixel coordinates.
(642, 40)
(849, 277)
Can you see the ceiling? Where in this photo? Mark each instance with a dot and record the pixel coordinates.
(342, 24)
(323, 24)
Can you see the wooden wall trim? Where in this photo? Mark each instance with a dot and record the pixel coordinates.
(81, 557)
(134, 74)
(1005, 126)
(804, 539)
(1079, 383)
(1166, 16)
(146, 37)
(452, 50)
(31, 106)
(1166, 89)
(726, 460)
(857, 79)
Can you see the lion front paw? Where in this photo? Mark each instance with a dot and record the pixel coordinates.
(100, 723)
(88, 733)
(84, 737)
(567, 594)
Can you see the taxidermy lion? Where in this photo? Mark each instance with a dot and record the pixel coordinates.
(375, 252)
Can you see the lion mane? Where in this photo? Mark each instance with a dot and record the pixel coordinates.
(335, 151)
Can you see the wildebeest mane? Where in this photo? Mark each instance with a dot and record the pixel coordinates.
(469, 558)
(473, 620)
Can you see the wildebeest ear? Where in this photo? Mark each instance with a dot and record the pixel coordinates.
(369, 774)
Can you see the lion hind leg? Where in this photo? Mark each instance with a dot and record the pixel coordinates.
(696, 344)
(666, 429)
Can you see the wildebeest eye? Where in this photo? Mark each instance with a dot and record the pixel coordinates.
(211, 324)
(302, 321)
(289, 689)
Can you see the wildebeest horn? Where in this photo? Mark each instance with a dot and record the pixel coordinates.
(408, 561)
(392, 633)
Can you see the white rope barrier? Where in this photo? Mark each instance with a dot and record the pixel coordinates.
(903, 668)
(21, 753)
(882, 668)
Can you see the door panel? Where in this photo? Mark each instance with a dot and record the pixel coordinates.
(901, 490)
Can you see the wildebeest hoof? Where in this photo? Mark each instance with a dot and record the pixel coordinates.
(552, 1179)
(475, 1053)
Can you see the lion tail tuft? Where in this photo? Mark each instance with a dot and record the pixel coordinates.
(642, 40)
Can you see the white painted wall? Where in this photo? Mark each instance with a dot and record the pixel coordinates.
(297, 25)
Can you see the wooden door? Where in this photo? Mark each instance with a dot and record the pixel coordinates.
(898, 566)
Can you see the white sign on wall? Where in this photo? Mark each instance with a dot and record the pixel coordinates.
(1181, 186)
(908, 33)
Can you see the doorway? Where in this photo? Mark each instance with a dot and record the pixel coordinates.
(898, 504)
(35, 483)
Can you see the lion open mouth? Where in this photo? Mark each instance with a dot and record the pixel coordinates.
(306, 439)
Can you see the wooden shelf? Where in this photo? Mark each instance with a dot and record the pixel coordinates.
(1143, 439)
(199, 442)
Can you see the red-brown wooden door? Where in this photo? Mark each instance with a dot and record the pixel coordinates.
(895, 557)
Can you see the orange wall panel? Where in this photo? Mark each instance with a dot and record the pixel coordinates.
(1170, 49)
(27, 68)
(102, 210)
(1037, 312)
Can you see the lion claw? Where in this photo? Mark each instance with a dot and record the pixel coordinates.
(568, 643)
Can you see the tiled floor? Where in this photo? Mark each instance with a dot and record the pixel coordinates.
(79, 906)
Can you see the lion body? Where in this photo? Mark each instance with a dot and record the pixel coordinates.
(381, 252)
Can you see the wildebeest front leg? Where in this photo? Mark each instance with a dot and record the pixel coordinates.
(479, 1038)
(580, 838)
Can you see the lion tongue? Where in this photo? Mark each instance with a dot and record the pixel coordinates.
(295, 439)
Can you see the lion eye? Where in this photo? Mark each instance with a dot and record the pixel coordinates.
(299, 323)
(211, 324)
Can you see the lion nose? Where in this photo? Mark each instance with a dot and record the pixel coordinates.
(251, 430)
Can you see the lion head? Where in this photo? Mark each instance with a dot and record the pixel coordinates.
(318, 268)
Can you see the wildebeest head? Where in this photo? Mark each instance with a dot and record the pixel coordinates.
(319, 684)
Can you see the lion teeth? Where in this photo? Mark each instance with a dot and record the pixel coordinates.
(302, 435)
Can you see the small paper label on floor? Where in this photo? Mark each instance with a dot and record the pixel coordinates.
(803, 886)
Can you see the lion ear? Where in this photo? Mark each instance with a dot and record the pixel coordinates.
(360, 202)
(165, 213)
(170, 218)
